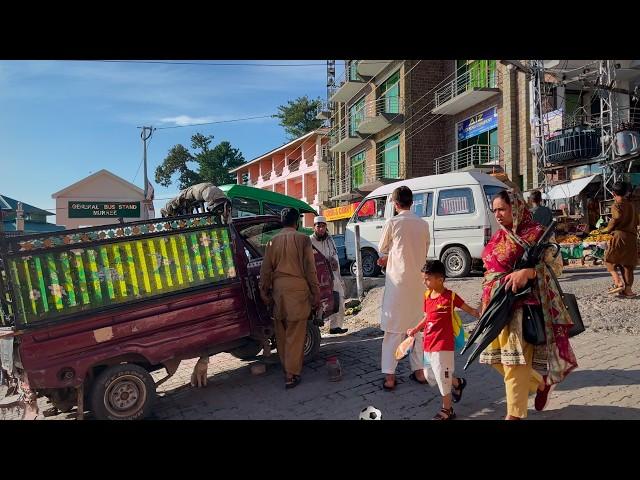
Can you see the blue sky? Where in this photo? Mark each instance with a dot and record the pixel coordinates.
(62, 120)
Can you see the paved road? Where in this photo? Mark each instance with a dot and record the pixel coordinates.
(606, 385)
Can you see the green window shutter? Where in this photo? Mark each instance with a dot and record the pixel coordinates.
(390, 92)
(357, 169)
(356, 115)
(389, 157)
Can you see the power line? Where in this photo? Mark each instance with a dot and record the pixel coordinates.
(210, 64)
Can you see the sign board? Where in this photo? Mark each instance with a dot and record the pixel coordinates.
(339, 213)
(104, 209)
(477, 124)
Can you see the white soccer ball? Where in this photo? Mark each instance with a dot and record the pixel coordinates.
(370, 413)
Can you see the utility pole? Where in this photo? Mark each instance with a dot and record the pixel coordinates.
(146, 135)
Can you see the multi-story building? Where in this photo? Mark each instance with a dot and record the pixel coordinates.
(395, 119)
(297, 169)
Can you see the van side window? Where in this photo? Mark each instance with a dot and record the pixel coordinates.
(423, 204)
(272, 208)
(244, 207)
(456, 201)
(372, 209)
(257, 236)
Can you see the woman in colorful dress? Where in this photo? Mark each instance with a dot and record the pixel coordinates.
(526, 368)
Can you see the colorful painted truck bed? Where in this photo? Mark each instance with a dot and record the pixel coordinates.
(52, 277)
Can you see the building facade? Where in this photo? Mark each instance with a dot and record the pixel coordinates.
(100, 199)
(396, 119)
(297, 169)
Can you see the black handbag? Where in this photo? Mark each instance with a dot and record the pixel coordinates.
(570, 302)
(533, 325)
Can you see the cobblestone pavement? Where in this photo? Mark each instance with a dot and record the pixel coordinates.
(605, 386)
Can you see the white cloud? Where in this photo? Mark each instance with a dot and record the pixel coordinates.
(182, 120)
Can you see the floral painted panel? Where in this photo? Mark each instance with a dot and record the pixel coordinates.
(53, 285)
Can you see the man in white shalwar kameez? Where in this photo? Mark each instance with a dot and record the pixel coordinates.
(325, 244)
(403, 249)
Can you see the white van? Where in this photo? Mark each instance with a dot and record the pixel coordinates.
(455, 205)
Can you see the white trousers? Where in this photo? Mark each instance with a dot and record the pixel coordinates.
(439, 368)
(390, 343)
(337, 319)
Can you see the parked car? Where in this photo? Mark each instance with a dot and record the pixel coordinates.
(455, 205)
(345, 263)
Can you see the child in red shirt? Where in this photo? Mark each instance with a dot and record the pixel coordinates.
(439, 337)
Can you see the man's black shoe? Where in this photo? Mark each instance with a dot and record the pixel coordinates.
(335, 331)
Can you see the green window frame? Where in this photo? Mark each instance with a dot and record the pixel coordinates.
(388, 164)
(356, 115)
(389, 93)
(476, 74)
(353, 72)
(357, 169)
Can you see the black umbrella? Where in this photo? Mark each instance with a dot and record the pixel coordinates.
(498, 311)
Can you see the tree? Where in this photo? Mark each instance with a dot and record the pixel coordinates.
(299, 116)
(213, 165)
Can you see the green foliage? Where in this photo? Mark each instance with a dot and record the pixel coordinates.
(213, 164)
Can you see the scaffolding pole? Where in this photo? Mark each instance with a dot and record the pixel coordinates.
(540, 145)
(608, 123)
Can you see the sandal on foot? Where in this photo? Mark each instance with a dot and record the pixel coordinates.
(388, 388)
(415, 379)
(456, 397)
(293, 382)
(445, 414)
(626, 295)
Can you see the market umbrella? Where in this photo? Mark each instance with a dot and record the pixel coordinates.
(498, 311)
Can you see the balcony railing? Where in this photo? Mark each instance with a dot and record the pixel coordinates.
(391, 105)
(383, 170)
(294, 166)
(379, 114)
(471, 156)
(472, 79)
(341, 185)
(342, 138)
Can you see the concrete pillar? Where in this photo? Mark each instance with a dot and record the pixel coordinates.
(304, 186)
(527, 164)
(510, 124)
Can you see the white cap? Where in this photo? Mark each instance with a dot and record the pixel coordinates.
(319, 219)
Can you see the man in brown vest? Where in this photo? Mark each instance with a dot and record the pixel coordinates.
(289, 282)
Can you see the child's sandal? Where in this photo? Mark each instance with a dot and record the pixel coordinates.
(456, 397)
(445, 414)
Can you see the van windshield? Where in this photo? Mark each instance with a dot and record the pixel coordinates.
(371, 209)
(490, 191)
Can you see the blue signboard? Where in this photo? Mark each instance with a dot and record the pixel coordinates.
(482, 122)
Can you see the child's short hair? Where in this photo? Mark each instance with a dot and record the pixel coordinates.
(435, 266)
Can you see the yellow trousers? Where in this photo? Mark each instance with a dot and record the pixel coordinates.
(519, 382)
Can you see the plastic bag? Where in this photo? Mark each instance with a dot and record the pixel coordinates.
(404, 348)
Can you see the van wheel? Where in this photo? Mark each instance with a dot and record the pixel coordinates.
(123, 392)
(370, 267)
(311, 342)
(457, 262)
